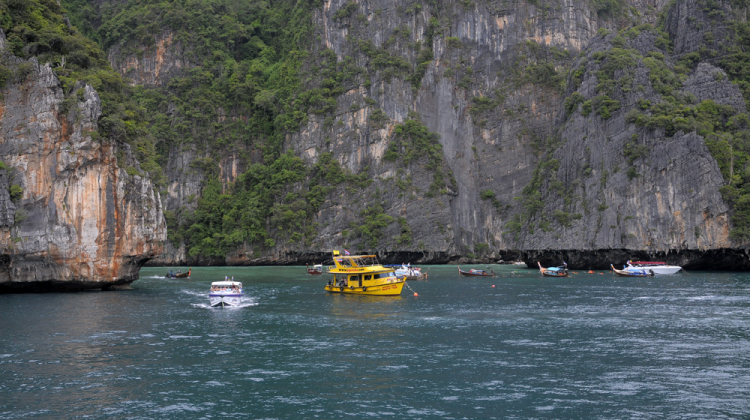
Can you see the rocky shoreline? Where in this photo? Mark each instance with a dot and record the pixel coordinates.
(729, 259)
(726, 259)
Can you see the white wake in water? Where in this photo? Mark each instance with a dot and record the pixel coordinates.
(246, 303)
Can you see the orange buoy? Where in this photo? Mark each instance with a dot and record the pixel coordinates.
(591, 271)
(493, 285)
(416, 294)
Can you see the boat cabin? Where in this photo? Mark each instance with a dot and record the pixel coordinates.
(226, 286)
(359, 280)
(360, 271)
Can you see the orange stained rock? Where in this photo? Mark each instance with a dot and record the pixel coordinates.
(501, 21)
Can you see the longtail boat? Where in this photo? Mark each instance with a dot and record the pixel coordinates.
(315, 270)
(633, 273)
(362, 275)
(476, 273)
(179, 274)
(554, 271)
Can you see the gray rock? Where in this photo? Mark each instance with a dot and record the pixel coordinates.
(671, 208)
(709, 82)
(85, 222)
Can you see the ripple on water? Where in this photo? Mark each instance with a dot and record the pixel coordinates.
(596, 347)
(180, 408)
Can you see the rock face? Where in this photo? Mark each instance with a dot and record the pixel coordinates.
(668, 201)
(672, 205)
(500, 119)
(491, 151)
(154, 65)
(82, 221)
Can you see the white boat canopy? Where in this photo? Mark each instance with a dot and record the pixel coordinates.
(227, 283)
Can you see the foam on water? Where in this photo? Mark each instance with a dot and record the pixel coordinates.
(244, 304)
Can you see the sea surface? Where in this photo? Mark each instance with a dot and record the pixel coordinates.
(517, 346)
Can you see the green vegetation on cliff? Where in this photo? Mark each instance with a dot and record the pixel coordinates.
(412, 141)
(241, 92)
(252, 74)
(223, 221)
(37, 28)
(730, 144)
(671, 108)
(242, 58)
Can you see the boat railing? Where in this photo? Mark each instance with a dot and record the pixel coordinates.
(357, 261)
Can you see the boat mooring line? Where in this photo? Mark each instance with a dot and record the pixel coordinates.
(407, 285)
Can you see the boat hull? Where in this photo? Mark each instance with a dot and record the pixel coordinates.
(668, 269)
(224, 300)
(554, 274)
(476, 274)
(622, 273)
(420, 277)
(631, 273)
(557, 272)
(315, 270)
(388, 289)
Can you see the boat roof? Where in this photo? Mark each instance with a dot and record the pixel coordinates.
(357, 264)
(226, 283)
(648, 262)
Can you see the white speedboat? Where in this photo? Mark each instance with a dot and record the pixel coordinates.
(408, 271)
(655, 267)
(226, 293)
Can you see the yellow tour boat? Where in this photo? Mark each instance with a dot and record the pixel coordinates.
(362, 275)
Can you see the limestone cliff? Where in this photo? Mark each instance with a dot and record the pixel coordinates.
(540, 158)
(82, 221)
(672, 205)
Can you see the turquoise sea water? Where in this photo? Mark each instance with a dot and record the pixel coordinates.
(591, 346)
